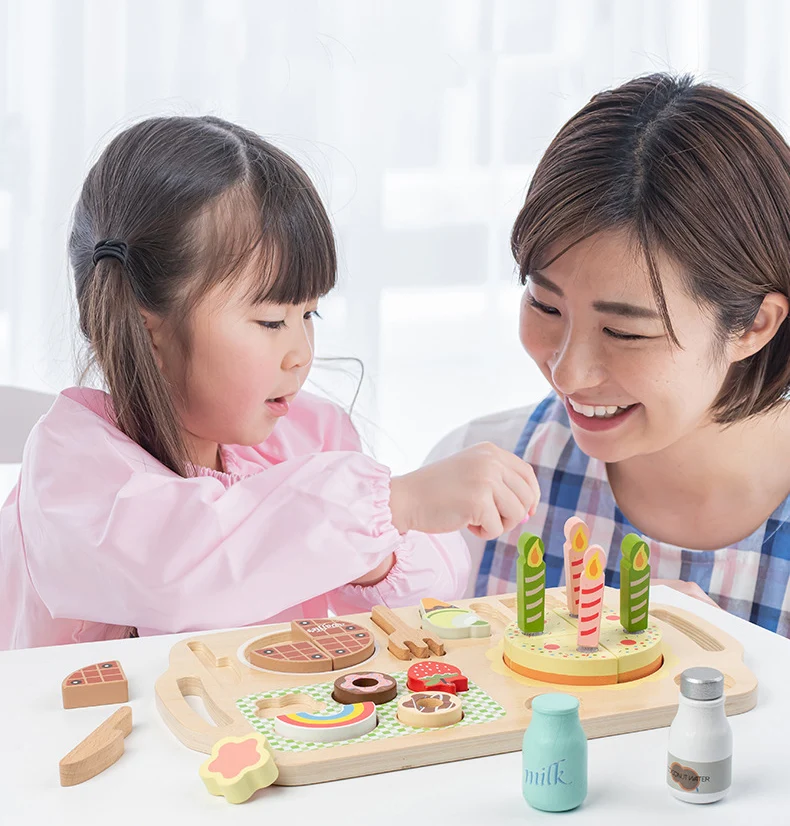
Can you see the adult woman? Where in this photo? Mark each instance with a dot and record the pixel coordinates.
(654, 245)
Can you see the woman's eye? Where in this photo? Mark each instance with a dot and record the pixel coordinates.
(543, 308)
(622, 336)
(272, 325)
(312, 314)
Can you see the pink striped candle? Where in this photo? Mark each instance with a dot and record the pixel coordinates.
(591, 597)
(577, 535)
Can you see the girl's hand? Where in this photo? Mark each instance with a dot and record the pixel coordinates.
(689, 588)
(484, 488)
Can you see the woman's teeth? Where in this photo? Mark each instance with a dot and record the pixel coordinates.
(599, 411)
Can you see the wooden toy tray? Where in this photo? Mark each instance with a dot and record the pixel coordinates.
(240, 698)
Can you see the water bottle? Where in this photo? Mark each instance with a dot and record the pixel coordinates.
(699, 760)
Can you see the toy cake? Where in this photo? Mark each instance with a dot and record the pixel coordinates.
(585, 642)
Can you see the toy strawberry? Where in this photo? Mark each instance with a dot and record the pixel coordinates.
(430, 675)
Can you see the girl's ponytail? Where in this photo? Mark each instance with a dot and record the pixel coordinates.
(122, 349)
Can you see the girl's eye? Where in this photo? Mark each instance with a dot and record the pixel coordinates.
(278, 325)
(622, 336)
(543, 308)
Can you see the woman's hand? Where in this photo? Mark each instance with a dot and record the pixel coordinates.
(484, 488)
(689, 588)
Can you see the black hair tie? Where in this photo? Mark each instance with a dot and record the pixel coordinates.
(110, 249)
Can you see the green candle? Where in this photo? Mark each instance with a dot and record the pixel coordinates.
(634, 583)
(531, 584)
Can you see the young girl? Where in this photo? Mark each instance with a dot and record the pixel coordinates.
(654, 245)
(171, 504)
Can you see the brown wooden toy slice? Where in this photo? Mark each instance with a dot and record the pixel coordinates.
(95, 685)
(98, 751)
(405, 641)
(314, 645)
(429, 709)
(362, 686)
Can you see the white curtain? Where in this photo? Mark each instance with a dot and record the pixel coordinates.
(420, 121)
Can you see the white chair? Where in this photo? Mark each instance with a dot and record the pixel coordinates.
(20, 409)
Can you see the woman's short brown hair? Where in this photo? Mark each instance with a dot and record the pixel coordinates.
(694, 172)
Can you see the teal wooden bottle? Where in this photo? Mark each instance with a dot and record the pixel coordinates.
(554, 754)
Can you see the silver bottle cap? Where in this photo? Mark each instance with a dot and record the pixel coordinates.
(701, 683)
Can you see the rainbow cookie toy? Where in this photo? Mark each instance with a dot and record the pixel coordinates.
(352, 720)
(585, 643)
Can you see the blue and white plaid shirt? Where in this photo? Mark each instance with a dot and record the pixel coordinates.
(751, 579)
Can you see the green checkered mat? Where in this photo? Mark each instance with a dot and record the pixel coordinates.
(478, 708)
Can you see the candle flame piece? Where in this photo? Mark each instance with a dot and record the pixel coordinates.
(535, 556)
(579, 539)
(592, 570)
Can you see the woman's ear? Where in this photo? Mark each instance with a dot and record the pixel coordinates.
(773, 311)
(154, 325)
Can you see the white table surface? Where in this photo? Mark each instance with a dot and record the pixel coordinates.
(157, 780)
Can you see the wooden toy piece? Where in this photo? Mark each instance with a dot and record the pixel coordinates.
(637, 654)
(577, 536)
(313, 645)
(558, 660)
(405, 641)
(365, 686)
(555, 657)
(591, 597)
(433, 676)
(429, 709)
(531, 584)
(238, 767)
(292, 656)
(250, 702)
(634, 583)
(352, 720)
(450, 622)
(98, 751)
(95, 685)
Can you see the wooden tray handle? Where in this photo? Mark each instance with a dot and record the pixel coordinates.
(192, 729)
(699, 631)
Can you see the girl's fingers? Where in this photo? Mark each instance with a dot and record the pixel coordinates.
(524, 491)
(511, 508)
(525, 471)
(490, 522)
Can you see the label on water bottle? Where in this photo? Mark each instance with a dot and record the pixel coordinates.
(699, 778)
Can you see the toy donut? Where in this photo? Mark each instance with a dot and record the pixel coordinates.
(429, 709)
(365, 686)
